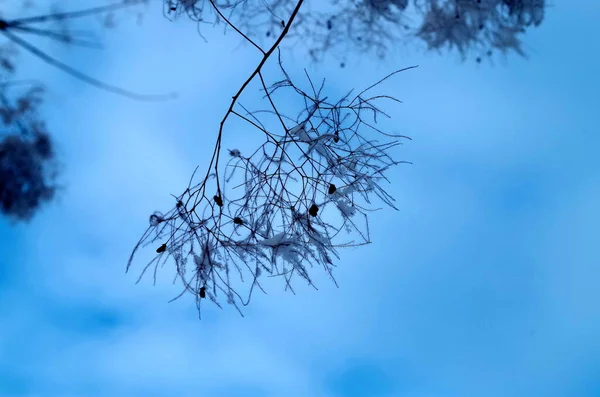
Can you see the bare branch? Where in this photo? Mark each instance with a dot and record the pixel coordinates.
(284, 208)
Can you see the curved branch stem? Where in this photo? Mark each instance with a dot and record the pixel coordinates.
(215, 158)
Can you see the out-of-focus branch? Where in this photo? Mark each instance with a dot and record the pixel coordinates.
(341, 28)
(11, 29)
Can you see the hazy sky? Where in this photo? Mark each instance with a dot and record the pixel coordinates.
(482, 284)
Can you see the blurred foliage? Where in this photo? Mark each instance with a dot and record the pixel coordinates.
(473, 28)
(28, 167)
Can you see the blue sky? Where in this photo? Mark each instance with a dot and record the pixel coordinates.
(482, 284)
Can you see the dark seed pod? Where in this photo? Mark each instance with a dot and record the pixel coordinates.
(218, 200)
(313, 210)
(332, 188)
(155, 219)
(238, 221)
(202, 292)
(336, 136)
(162, 248)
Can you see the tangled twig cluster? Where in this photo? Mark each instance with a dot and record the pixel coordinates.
(283, 208)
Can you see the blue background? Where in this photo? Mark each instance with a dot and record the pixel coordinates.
(484, 283)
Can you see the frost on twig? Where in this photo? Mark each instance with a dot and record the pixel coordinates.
(283, 208)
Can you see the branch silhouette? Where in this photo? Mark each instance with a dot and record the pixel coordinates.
(285, 207)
